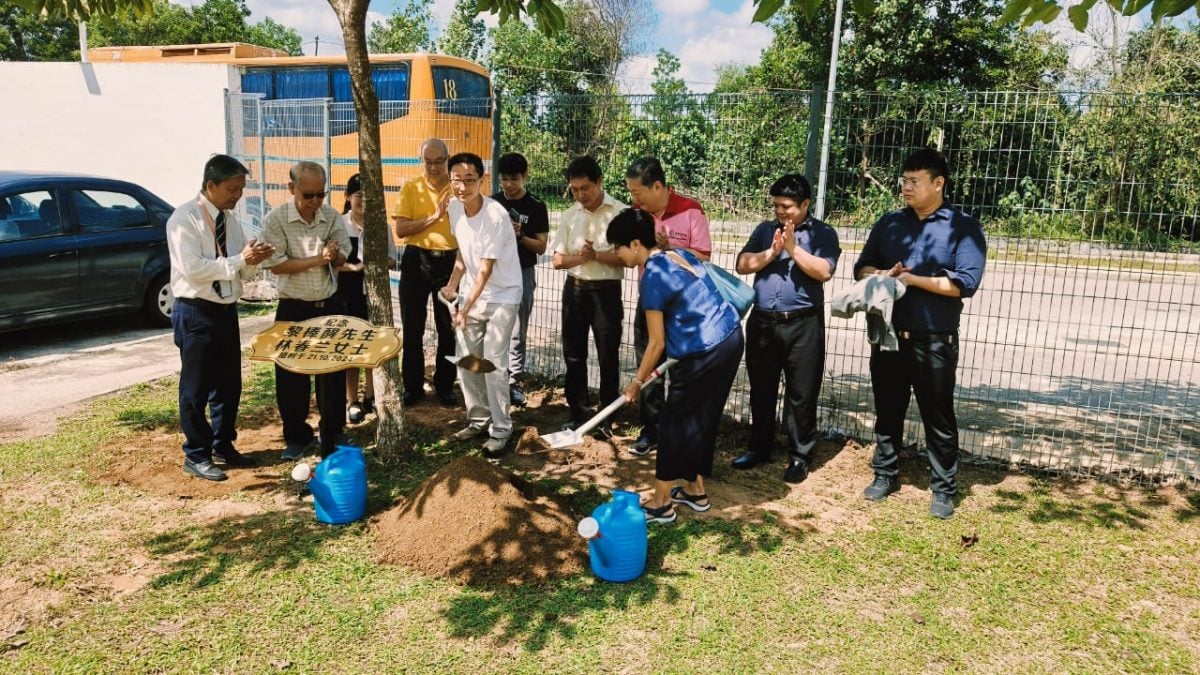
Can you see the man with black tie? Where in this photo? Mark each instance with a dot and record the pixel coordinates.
(210, 258)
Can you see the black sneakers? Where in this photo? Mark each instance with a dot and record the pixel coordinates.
(881, 488)
(941, 506)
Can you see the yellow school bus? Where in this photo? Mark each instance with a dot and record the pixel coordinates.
(306, 111)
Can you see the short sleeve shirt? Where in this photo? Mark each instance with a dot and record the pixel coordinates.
(535, 220)
(417, 201)
(488, 235)
(577, 226)
(782, 286)
(695, 316)
(294, 238)
(949, 243)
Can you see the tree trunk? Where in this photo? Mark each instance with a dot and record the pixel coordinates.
(352, 15)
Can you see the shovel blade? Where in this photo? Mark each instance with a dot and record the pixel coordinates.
(562, 439)
(475, 364)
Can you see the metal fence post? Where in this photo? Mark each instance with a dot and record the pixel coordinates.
(816, 101)
(325, 114)
(262, 158)
(495, 139)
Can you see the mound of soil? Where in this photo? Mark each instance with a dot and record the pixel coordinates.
(481, 525)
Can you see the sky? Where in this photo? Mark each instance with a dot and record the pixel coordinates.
(703, 34)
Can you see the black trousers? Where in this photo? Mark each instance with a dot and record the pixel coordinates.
(925, 365)
(210, 352)
(650, 400)
(293, 391)
(423, 273)
(794, 348)
(687, 431)
(593, 306)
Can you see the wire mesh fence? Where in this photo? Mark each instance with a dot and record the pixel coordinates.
(1079, 352)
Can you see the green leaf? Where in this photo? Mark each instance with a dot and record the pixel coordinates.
(1079, 14)
(1134, 6)
(1165, 8)
(766, 10)
(864, 8)
(1014, 10)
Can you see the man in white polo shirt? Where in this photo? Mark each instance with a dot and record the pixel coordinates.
(490, 273)
(591, 298)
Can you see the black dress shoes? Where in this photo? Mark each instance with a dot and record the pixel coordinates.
(447, 398)
(229, 456)
(206, 470)
(750, 460)
(796, 472)
(411, 397)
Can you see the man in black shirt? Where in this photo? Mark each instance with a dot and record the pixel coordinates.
(531, 225)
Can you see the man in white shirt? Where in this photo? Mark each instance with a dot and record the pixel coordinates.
(210, 258)
(591, 298)
(490, 273)
(310, 242)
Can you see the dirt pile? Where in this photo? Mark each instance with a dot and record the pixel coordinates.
(481, 525)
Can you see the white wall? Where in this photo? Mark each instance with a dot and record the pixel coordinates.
(154, 124)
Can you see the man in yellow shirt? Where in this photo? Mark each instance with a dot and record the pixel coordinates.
(423, 230)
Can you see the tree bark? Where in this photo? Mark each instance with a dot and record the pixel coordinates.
(352, 15)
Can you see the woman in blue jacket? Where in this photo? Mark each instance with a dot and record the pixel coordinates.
(689, 320)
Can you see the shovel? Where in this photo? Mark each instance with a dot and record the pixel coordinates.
(470, 363)
(565, 439)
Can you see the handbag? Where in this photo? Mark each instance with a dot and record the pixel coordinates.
(736, 292)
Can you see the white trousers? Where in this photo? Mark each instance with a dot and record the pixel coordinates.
(488, 333)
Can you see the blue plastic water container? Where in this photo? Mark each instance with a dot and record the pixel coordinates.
(339, 486)
(618, 553)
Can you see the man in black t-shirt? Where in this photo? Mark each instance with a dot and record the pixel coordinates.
(531, 225)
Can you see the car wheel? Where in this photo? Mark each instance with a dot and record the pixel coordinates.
(159, 301)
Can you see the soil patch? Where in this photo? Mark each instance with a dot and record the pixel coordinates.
(481, 525)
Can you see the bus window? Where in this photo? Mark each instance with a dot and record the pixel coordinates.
(301, 83)
(258, 81)
(461, 92)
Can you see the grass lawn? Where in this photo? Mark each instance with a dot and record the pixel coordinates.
(1064, 576)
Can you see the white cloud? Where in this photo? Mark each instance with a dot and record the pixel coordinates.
(677, 8)
(310, 19)
(636, 74)
(715, 38)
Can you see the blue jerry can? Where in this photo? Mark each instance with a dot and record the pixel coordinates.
(339, 486)
(617, 538)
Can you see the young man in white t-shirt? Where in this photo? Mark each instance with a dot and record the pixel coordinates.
(490, 273)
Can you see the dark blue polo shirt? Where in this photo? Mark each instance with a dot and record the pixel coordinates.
(949, 243)
(782, 286)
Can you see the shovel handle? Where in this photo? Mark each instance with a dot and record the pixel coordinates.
(615, 405)
(451, 305)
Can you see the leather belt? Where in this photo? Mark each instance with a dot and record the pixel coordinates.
(785, 316)
(434, 253)
(319, 304)
(591, 282)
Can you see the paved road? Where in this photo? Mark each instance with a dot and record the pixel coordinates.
(45, 372)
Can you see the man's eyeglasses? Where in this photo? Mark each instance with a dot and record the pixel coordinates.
(437, 161)
(309, 196)
(464, 181)
(909, 182)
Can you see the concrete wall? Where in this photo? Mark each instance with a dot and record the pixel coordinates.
(154, 124)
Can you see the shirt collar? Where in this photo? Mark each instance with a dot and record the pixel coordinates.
(212, 208)
(294, 214)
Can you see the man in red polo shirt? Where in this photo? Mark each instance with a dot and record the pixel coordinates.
(679, 222)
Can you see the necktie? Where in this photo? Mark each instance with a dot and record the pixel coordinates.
(216, 285)
(221, 233)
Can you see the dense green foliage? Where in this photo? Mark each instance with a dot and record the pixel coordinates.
(213, 21)
(406, 30)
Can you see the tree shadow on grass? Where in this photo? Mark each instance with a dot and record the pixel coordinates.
(1067, 500)
(203, 554)
(532, 615)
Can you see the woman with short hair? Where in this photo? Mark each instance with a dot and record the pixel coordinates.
(690, 321)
